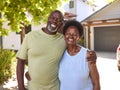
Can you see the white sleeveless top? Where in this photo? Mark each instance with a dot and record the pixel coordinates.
(74, 72)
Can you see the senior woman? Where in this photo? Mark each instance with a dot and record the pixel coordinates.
(75, 73)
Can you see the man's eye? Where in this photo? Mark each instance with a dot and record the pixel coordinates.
(59, 20)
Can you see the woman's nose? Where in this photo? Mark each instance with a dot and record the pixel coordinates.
(71, 36)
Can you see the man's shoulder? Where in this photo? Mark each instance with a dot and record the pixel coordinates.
(33, 32)
(60, 34)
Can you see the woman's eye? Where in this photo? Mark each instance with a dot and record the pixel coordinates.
(71, 34)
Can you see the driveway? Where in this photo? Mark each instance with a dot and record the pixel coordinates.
(109, 74)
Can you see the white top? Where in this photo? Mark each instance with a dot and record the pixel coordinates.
(74, 72)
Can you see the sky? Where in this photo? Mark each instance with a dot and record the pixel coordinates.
(100, 3)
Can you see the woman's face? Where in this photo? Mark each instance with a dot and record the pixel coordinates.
(71, 35)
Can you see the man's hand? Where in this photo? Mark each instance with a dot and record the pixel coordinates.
(27, 76)
(91, 56)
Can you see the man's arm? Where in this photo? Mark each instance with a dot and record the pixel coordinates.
(20, 74)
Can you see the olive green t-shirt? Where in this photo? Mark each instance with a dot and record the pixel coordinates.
(43, 53)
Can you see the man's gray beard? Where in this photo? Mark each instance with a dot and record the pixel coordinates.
(50, 30)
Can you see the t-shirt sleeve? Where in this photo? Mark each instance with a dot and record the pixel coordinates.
(23, 51)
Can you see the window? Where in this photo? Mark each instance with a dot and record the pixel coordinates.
(27, 29)
(71, 4)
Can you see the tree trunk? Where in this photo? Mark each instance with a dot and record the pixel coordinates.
(22, 34)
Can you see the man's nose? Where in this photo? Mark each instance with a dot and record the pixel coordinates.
(54, 21)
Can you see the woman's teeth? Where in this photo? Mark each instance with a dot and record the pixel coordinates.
(70, 39)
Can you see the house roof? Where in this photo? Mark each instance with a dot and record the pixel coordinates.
(110, 11)
(69, 16)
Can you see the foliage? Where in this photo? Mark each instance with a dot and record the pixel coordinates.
(109, 0)
(6, 57)
(81, 41)
(92, 2)
(17, 12)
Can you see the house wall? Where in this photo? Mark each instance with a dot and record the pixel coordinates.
(83, 10)
(12, 41)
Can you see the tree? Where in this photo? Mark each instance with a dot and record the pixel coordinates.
(19, 13)
(92, 2)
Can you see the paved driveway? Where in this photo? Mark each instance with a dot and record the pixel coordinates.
(109, 74)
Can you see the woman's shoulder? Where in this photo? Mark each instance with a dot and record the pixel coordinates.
(82, 47)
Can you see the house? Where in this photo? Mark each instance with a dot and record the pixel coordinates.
(102, 29)
(80, 8)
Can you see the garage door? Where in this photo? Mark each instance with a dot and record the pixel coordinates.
(106, 38)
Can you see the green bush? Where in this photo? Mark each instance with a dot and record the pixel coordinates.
(81, 41)
(6, 61)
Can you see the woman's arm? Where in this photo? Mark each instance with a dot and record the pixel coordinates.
(94, 74)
